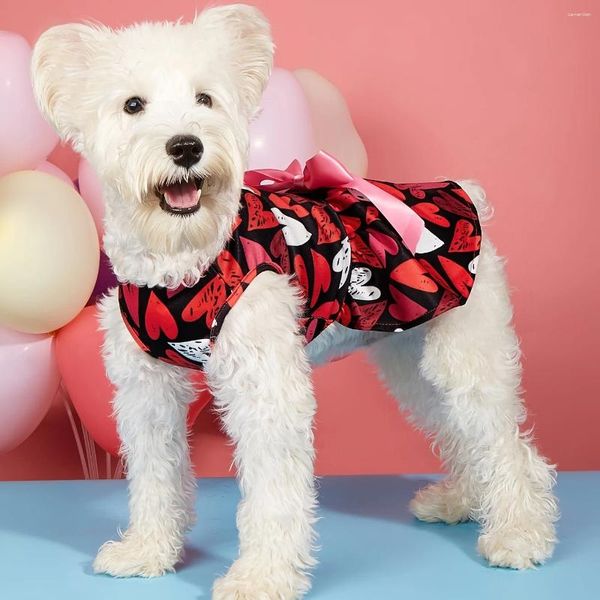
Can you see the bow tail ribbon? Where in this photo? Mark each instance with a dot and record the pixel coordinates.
(321, 171)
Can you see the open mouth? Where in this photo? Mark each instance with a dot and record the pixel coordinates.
(182, 197)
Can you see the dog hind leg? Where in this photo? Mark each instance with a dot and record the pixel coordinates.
(470, 361)
(397, 358)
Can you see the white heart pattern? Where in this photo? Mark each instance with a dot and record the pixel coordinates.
(357, 288)
(341, 261)
(473, 265)
(294, 232)
(195, 350)
(428, 242)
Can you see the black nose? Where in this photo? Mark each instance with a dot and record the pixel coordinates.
(186, 150)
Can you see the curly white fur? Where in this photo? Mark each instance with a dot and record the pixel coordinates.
(458, 375)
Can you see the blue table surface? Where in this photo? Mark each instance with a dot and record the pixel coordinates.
(372, 548)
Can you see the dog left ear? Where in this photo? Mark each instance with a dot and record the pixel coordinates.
(251, 47)
(59, 66)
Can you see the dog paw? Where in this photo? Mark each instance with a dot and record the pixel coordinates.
(443, 502)
(133, 557)
(518, 548)
(242, 582)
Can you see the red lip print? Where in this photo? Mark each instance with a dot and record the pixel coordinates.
(258, 218)
(404, 309)
(158, 318)
(460, 277)
(412, 274)
(463, 240)
(430, 212)
(206, 302)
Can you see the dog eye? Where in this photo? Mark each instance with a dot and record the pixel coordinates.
(204, 99)
(134, 105)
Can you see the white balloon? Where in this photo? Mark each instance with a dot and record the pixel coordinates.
(49, 252)
(332, 123)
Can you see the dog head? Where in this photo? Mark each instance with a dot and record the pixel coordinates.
(161, 111)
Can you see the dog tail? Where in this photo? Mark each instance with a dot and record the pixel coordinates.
(478, 196)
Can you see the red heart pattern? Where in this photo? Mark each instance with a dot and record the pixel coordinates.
(463, 239)
(158, 319)
(206, 302)
(328, 232)
(258, 217)
(430, 212)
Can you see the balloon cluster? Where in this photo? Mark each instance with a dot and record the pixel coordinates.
(51, 265)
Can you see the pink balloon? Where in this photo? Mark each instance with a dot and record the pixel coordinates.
(53, 170)
(283, 130)
(334, 130)
(29, 383)
(90, 189)
(26, 138)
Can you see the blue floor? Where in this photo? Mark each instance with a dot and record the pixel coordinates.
(372, 549)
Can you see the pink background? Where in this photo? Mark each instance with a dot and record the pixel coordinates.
(504, 92)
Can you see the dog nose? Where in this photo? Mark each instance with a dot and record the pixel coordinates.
(186, 150)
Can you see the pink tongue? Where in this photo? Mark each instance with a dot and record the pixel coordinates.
(181, 195)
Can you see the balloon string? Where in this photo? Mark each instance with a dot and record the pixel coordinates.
(88, 450)
(108, 466)
(86, 445)
(119, 470)
(69, 410)
(95, 469)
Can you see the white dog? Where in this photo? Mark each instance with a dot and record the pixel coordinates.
(161, 110)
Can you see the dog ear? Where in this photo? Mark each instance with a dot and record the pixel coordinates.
(250, 44)
(59, 67)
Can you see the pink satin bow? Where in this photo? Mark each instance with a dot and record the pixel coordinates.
(321, 171)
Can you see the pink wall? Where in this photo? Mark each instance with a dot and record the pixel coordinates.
(507, 93)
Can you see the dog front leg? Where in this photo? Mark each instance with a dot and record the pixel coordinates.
(151, 407)
(261, 380)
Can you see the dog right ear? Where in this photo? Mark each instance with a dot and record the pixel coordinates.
(250, 47)
(59, 66)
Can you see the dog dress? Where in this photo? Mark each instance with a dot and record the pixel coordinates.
(350, 264)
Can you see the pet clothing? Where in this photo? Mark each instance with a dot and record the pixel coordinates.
(350, 264)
